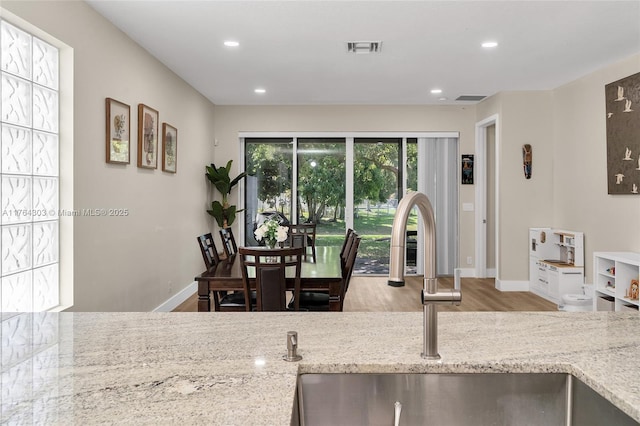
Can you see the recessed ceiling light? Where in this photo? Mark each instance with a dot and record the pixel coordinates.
(231, 43)
(436, 91)
(260, 91)
(489, 44)
(442, 99)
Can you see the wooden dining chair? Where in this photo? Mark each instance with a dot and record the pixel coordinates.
(347, 271)
(266, 271)
(344, 242)
(304, 235)
(228, 242)
(209, 251)
(222, 300)
(346, 247)
(319, 301)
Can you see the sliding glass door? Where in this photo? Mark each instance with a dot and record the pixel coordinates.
(321, 187)
(269, 167)
(377, 182)
(355, 182)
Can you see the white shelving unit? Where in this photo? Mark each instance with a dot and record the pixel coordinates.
(613, 273)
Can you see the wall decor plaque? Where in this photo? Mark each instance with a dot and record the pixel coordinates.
(623, 135)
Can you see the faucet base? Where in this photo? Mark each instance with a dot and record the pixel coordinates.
(435, 357)
(395, 283)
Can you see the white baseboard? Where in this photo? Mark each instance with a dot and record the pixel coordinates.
(178, 298)
(471, 272)
(467, 272)
(504, 285)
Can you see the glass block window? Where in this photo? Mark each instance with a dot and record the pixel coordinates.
(29, 187)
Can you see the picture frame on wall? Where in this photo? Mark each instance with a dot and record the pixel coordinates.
(118, 131)
(147, 137)
(467, 169)
(169, 148)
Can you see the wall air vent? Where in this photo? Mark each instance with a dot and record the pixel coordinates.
(474, 98)
(364, 46)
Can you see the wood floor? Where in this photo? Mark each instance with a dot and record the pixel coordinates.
(372, 294)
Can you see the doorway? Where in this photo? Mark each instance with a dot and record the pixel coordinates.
(487, 247)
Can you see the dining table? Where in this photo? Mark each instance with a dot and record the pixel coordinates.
(324, 275)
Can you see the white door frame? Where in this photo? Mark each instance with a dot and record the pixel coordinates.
(481, 195)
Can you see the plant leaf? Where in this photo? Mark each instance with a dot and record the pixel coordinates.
(235, 181)
(231, 215)
(217, 212)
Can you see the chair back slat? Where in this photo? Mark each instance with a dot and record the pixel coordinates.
(273, 289)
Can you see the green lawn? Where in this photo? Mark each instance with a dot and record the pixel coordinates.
(373, 226)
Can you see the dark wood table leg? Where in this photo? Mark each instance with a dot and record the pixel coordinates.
(334, 296)
(204, 301)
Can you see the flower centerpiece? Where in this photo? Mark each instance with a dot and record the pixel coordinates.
(272, 233)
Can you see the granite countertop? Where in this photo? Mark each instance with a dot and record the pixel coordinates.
(227, 368)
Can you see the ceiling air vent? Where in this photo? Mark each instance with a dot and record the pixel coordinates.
(364, 46)
(474, 98)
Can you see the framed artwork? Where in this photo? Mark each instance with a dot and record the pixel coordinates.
(622, 102)
(147, 137)
(467, 169)
(169, 148)
(118, 131)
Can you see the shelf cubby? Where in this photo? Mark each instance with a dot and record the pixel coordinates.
(613, 274)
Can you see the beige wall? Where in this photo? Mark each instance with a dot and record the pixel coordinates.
(233, 119)
(567, 130)
(137, 262)
(524, 118)
(581, 202)
(523, 203)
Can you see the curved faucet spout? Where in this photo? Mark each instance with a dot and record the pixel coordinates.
(431, 297)
(398, 237)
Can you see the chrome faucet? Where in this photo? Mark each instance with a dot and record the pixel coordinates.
(430, 294)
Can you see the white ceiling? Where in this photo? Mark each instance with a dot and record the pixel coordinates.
(296, 50)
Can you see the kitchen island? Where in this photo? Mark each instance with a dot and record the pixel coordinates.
(227, 368)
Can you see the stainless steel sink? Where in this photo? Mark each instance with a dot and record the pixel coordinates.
(452, 399)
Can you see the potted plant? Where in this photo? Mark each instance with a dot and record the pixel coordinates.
(224, 213)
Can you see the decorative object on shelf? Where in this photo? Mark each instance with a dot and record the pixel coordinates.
(169, 148)
(271, 232)
(633, 290)
(224, 213)
(467, 169)
(527, 160)
(622, 99)
(147, 137)
(118, 132)
(612, 270)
